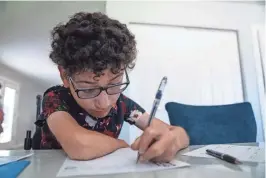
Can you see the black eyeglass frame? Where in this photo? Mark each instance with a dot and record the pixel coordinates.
(77, 90)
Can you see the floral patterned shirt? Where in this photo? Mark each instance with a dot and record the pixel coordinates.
(59, 98)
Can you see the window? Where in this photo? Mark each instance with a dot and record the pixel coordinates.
(8, 93)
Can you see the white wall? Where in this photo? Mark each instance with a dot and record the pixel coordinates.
(223, 15)
(25, 35)
(26, 110)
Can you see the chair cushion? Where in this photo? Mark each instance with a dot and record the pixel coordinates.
(233, 123)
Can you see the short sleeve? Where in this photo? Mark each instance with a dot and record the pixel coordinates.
(52, 101)
(131, 108)
(1, 116)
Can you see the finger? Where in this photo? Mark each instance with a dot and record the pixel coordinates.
(158, 148)
(147, 138)
(135, 145)
(167, 156)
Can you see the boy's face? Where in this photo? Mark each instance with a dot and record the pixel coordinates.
(98, 106)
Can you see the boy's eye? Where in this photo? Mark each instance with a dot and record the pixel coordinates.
(115, 83)
(86, 86)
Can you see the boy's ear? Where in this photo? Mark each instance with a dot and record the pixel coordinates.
(63, 76)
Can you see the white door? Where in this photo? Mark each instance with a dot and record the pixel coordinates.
(259, 55)
(196, 45)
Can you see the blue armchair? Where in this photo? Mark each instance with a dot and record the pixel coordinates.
(220, 124)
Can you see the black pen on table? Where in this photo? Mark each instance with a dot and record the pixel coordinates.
(156, 103)
(223, 156)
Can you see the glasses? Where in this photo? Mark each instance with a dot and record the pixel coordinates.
(88, 93)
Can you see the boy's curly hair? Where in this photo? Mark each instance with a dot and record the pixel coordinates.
(94, 42)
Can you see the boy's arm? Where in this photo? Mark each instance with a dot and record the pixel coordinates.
(79, 143)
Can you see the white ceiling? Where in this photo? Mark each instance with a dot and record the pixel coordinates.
(25, 34)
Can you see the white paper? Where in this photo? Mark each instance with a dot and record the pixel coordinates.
(120, 161)
(243, 153)
(9, 159)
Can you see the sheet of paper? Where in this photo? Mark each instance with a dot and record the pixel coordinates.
(9, 159)
(120, 161)
(243, 153)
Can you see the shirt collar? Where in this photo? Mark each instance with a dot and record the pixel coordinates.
(112, 112)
